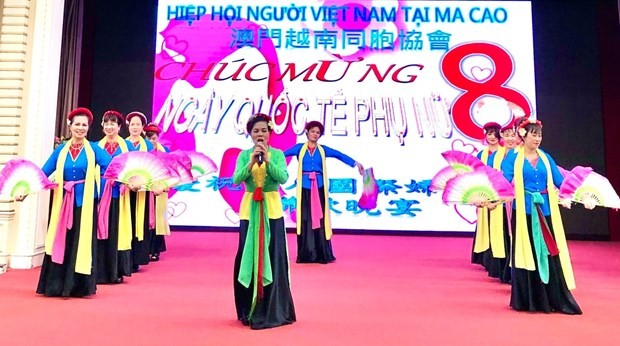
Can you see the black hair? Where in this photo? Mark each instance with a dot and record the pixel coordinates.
(314, 124)
(257, 118)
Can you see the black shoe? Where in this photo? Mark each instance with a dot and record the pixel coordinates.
(155, 257)
(119, 280)
(134, 269)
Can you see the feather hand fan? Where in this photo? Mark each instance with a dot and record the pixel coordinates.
(461, 161)
(173, 178)
(563, 171)
(480, 186)
(589, 188)
(442, 177)
(370, 191)
(201, 164)
(22, 177)
(140, 168)
(183, 166)
(581, 171)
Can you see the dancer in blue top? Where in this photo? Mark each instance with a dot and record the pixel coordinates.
(141, 217)
(69, 265)
(542, 271)
(114, 253)
(313, 224)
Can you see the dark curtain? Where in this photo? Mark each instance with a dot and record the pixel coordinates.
(70, 60)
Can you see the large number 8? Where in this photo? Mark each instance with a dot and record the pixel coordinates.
(473, 89)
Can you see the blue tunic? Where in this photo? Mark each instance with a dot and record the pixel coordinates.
(314, 162)
(116, 188)
(534, 178)
(491, 158)
(76, 170)
(149, 145)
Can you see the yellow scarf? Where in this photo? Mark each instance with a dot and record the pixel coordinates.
(302, 152)
(140, 203)
(161, 204)
(83, 262)
(524, 258)
(124, 216)
(495, 228)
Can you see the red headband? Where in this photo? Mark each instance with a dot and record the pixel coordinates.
(522, 131)
(528, 122)
(152, 127)
(117, 114)
(81, 111)
(491, 125)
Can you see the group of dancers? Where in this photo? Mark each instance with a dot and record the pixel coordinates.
(523, 242)
(99, 231)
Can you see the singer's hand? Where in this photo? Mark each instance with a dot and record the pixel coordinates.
(262, 148)
(254, 157)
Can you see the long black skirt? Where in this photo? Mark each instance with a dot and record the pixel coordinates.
(61, 280)
(158, 243)
(276, 307)
(499, 267)
(140, 249)
(506, 269)
(112, 264)
(312, 247)
(529, 293)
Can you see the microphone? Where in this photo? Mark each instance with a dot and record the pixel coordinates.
(260, 155)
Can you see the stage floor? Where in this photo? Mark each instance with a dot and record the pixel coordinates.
(382, 290)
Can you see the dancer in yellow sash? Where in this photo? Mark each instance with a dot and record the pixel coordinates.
(69, 265)
(490, 245)
(162, 228)
(140, 207)
(542, 271)
(114, 253)
(314, 230)
(261, 272)
(510, 139)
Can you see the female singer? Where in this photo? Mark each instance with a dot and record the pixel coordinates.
(261, 281)
(158, 243)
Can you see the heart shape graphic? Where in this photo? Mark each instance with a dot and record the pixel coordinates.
(176, 209)
(481, 74)
(459, 145)
(172, 43)
(465, 213)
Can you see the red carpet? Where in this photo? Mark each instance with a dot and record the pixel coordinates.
(381, 291)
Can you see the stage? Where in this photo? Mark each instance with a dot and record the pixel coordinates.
(390, 290)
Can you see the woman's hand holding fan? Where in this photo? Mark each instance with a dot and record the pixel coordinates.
(370, 192)
(19, 178)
